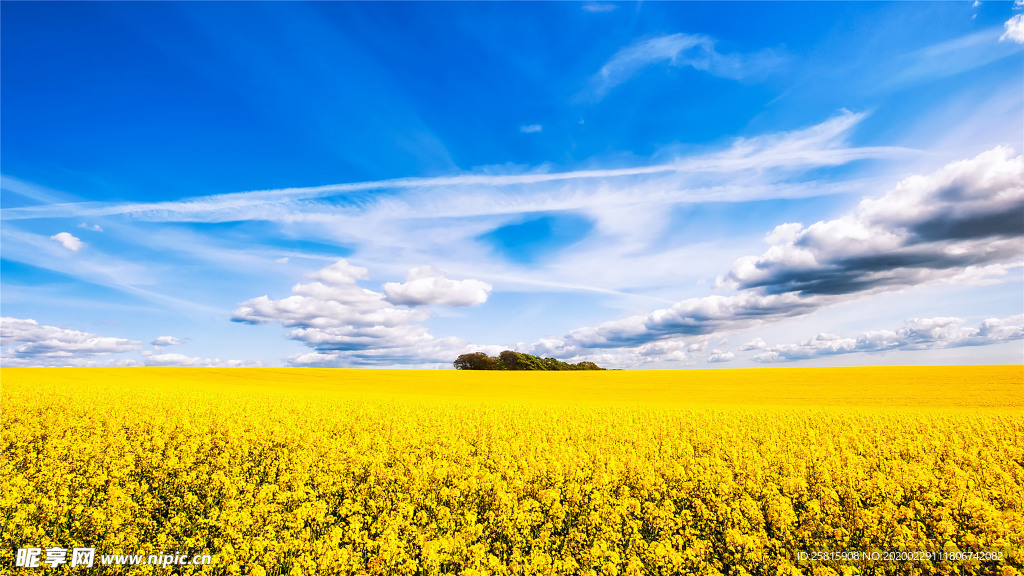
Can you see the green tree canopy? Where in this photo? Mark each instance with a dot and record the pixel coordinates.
(510, 360)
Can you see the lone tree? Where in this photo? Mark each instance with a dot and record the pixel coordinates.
(509, 360)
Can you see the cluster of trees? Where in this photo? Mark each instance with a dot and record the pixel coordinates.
(509, 360)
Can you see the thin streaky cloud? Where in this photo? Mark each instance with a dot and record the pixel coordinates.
(947, 58)
(32, 191)
(818, 146)
(568, 286)
(695, 51)
(97, 268)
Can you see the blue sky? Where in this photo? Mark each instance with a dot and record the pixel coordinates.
(654, 185)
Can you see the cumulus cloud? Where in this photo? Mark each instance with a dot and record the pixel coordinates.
(531, 128)
(680, 50)
(676, 351)
(25, 342)
(755, 344)
(425, 286)
(315, 359)
(959, 219)
(166, 341)
(959, 224)
(1014, 30)
(346, 324)
(93, 227)
(68, 241)
(720, 356)
(183, 360)
(916, 334)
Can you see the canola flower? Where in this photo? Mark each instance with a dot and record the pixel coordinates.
(408, 472)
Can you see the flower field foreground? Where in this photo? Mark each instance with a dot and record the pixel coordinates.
(298, 471)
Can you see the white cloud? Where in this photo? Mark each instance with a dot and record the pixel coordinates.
(183, 360)
(669, 352)
(597, 7)
(531, 128)
(720, 356)
(917, 334)
(425, 286)
(1014, 30)
(93, 227)
(691, 50)
(68, 241)
(349, 325)
(962, 218)
(755, 344)
(315, 359)
(25, 342)
(282, 260)
(166, 341)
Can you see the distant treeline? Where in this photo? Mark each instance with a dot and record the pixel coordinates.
(509, 360)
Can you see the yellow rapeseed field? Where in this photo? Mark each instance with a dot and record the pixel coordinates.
(302, 471)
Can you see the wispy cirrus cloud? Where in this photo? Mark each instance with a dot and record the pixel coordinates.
(948, 58)
(724, 175)
(93, 266)
(695, 51)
